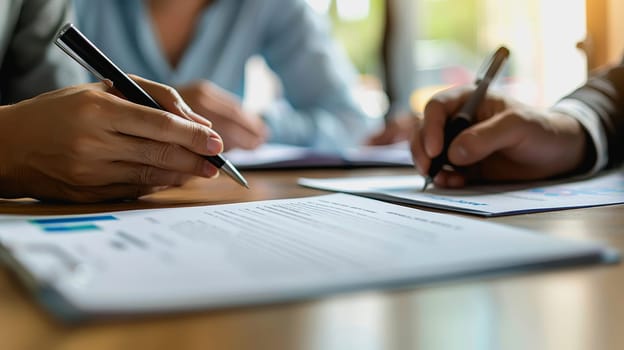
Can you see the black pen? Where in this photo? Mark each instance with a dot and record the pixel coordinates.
(464, 118)
(81, 49)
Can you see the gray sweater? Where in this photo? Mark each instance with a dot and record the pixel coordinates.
(30, 63)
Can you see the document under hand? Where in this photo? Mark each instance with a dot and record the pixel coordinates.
(224, 255)
(501, 200)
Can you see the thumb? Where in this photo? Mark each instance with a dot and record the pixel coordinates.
(483, 139)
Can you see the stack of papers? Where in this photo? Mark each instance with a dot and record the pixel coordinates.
(607, 189)
(258, 252)
(276, 156)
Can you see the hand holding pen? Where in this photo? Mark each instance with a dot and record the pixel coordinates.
(466, 115)
(494, 138)
(77, 46)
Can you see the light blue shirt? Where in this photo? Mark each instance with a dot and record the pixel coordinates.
(318, 109)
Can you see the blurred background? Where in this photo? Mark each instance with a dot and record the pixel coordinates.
(441, 43)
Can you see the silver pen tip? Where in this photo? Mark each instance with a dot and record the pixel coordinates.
(232, 172)
(428, 180)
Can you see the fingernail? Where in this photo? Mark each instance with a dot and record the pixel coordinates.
(458, 152)
(417, 166)
(428, 149)
(215, 143)
(208, 170)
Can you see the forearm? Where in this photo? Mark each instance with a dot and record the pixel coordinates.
(317, 77)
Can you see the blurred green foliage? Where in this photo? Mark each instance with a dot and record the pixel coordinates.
(451, 20)
(361, 39)
(454, 20)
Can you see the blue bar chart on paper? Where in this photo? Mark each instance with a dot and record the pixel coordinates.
(79, 224)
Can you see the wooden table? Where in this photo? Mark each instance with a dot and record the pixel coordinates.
(574, 308)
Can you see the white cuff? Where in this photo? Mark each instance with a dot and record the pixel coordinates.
(591, 122)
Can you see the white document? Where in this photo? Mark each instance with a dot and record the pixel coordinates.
(236, 254)
(485, 200)
(277, 156)
(16, 217)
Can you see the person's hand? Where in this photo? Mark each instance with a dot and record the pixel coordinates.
(509, 142)
(398, 128)
(238, 128)
(85, 144)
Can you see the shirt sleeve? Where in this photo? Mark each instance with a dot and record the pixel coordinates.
(592, 124)
(599, 107)
(318, 109)
(33, 64)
